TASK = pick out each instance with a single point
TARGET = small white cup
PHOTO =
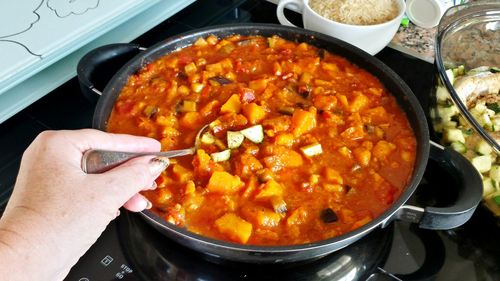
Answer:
(370, 38)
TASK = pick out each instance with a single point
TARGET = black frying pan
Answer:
(461, 171)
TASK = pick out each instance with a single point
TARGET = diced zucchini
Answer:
(234, 139)
(442, 94)
(468, 132)
(454, 135)
(492, 201)
(451, 75)
(450, 124)
(485, 121)
(483, 148)
(255, 133)
(312, 149)
(187, 106)
(447, 112)
(495, 173)
(207, 138)
(221, 156)
(489, 186)
(482, 163)
(496, 199)
(459, 147)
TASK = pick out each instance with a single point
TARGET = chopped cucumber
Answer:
(489, 186)
(312, 149)
(450, 124)
(221, 156)
(254, 133)
(482, 163)
(446, 113)
(451, 75)
(496, 199)
(459, 147)
(442, 94)
(468, 131)
(454, 135)
(495, 173)
(483, 148)
(234, 139)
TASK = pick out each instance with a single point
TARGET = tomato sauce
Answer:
(302, 144)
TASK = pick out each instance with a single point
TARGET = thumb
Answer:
(126, 180)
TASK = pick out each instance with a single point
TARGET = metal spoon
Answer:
(97, 161)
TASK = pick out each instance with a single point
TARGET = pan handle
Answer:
(469, 195)
(96, 68)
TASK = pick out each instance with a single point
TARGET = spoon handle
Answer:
(99, 161)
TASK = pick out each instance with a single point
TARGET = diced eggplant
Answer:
(328, 216)
(150, 111)
(264, 175)
(221, 80)
(182, 75)
(279, 205)
(287, 110)
(304, 91)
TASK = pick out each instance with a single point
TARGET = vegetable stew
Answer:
(302, 144)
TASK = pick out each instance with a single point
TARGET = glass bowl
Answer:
(465, 103)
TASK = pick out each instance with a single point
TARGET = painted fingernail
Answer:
(153, 186)
(149, 204)
(158, 164)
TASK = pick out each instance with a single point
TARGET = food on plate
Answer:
(357, 12)
(302, 145)
(479, 90)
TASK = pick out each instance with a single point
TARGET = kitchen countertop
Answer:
(415, 41)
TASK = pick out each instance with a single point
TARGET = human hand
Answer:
(58, 210)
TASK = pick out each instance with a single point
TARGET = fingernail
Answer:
(153, 186)
(117, 213)
(149, 205)
(158, 164)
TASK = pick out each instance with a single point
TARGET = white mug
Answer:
(370, 38)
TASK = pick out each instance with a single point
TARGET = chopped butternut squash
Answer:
(224, 182)
(270, 188)
(333, 176)
(382, 149)
(253, 112)
(302, 122)
(261, 216)
(181, 174)
(298, 216)
(233, 104)
(234, 227)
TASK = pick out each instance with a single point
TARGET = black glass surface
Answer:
(130, 250)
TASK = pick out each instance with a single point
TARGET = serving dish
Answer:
(465, 102)
(430, 217)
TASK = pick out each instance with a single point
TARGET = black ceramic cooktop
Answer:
(131, 250)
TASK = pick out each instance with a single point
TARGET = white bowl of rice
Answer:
(367, 24)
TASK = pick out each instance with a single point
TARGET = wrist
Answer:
(28, 248)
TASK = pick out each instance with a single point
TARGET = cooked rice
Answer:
(357, 12)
